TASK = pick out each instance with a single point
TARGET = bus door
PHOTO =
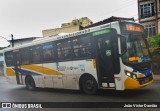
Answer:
(17, 66)
(105, 59)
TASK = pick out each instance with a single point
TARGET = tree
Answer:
(154, 42)
(2, 48)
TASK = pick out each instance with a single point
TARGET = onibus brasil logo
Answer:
(20, 105)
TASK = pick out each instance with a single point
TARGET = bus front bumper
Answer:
(141, 82)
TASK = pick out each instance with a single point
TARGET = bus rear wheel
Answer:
(89, 85)
(30, 84)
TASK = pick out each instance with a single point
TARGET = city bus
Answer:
(110, 56)
(1, 63)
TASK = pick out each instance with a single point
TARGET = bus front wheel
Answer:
(89, 85)
(30, 84)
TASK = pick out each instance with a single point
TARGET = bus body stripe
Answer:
(10, 72)
(32, 70)
(27, 72)
(147, 72)
(41, 69)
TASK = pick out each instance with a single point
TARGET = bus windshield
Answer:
(136, 50)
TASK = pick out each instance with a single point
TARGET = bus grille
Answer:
(145, 80)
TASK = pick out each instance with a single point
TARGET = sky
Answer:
(27, 18)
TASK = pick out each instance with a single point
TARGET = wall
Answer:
(52, 32)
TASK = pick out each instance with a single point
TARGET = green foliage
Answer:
(1, 48)
(154, 42)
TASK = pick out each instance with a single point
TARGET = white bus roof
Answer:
(69, 35)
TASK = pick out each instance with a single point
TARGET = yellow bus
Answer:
(109, 56)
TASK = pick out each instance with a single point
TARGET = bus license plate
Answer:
(146, 80)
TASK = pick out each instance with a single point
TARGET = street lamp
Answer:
(12, 40)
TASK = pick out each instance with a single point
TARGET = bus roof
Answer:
(109, 20)
(69, 35)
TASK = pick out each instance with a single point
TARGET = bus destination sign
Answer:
(104, 31)
(132, 27)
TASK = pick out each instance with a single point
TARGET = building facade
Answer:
(149, 16)
(56, 31)
(83, 22)
(70, 27)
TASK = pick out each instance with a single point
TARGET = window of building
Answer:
(48, 52)
(9, 59)
(82, 47)
(147, 10)
(64, 49)
(150, 30)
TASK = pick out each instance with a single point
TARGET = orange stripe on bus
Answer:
(10, 72)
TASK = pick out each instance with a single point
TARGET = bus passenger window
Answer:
(80, 53)
(36, 54)
(48, 53)
(9, 58)
(25, 56)
(64, 50)
(82, 47)
(59, 51)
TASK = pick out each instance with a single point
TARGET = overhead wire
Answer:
(124, 4)
(1, 37)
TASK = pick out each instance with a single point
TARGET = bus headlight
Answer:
(130, 74)
(134, 76)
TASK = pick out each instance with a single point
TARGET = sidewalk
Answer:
(156, 77)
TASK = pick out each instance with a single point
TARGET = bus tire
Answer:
(30, 84)
(89, 85)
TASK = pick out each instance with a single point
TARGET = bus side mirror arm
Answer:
(120, 55)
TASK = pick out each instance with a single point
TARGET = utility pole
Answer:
(12, 40)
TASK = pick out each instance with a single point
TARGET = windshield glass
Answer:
(136, 50)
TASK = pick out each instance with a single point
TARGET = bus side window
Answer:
(25, 56)
(64, 50)
(36, 54)
(48, 52)
(9, 58)
(82, 47)
(59, 51)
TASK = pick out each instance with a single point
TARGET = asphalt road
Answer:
(16, 93)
